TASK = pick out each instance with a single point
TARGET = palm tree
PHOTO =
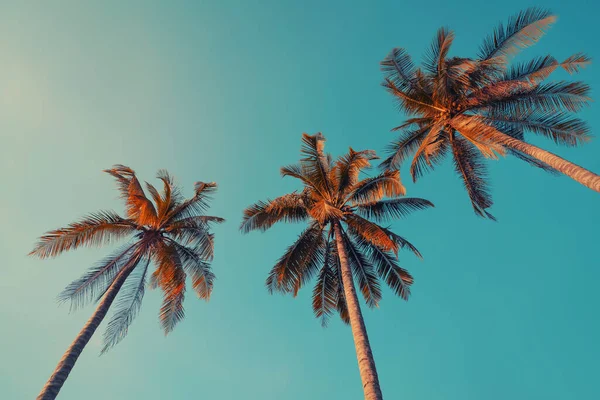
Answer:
(340, 242)
(172, 233)
(480, 108)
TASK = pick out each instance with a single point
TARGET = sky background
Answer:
(221, 91)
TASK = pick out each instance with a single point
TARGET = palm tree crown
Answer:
(171, 232)
(334, 194)
(475, 108)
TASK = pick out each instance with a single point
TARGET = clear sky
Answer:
(221, 91)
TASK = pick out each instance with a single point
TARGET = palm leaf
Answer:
(325, 292)
(522, 30)
(95, 229)
(127, 307)
(299, 263)
(385, 210)
(387, 184)
(370, 232)
(472, 170)
(363, 272)
(98, 278)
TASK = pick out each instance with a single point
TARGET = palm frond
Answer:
(287, 208)
(315, 162)
(170, 277)
(387, 184)
(473, 172)
(407, 144)
(398, 279)
(548, 97)
(435, 57)
(138, 207)
(560, 127)
(325, 292)
(363, 272)
(347, 168)
(98, 278)
(430, 152)
(95, 229)
(370, 232)
(413, 102)
(198, 269)
(127, 306)
(398, 68)
(299, 263)
(574, 63)
(402, 242)
(196, 205)
(384, 210)
(522, 30)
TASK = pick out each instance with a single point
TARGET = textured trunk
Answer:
(366, 363)
(574, 171)
(64, 367)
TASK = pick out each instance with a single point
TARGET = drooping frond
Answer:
(170, 277)
(127, 306)
(401, 242)
(325, 292)
(370, 232)
(430, 152)
(398, 279)
(363, 272)
(400, 150)
(287, 208)
(385, 210)
(373, 189)
(472, 170)
(98, 278)
(299, 263)
(95, 229)
(522, 30)
(197, 268)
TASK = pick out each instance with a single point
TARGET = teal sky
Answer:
(221, 91)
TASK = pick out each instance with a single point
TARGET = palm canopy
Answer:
(463, 106)
(169, 231)
(332, 194)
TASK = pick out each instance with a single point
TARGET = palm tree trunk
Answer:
(67, 362)
(366, 363)
(574, 171)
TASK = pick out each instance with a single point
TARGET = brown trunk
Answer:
(574, 171)
(68, 360)
(366, 363)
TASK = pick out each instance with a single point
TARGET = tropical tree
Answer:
(341, 244)
(172, 233)
(476, 108)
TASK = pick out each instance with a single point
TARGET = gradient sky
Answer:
(221, 91)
